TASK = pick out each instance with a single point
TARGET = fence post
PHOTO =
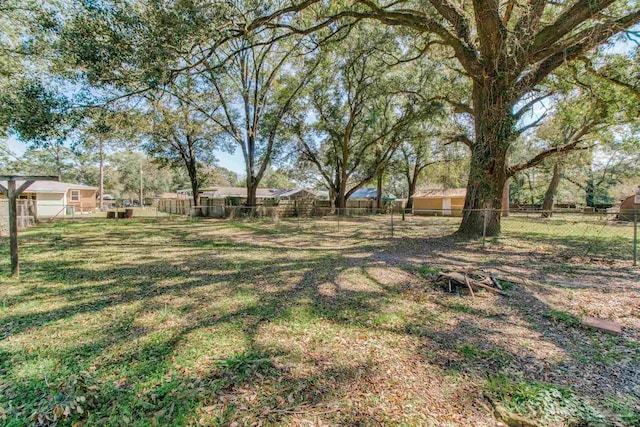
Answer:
(635, 237)
(392, 222)
(484, 227)
(13, 227)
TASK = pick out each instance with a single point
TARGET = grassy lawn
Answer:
(210, 322)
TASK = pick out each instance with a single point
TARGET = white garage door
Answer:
(49, 204)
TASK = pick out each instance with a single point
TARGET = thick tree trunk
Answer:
(494, 130)
(58, 164)
(101, 188)
(251, 193)
(550, 194)
(590, 192)
(341, 201)
(195, 185)
(332, 199)
(379, 192)
(505, 199)
(412, 191)
(341, 198)
(192, 170)
(484, 197)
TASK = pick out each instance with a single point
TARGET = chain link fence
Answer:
(605, 236)
(601, 236)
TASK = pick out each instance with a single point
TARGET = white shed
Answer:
(58, 199)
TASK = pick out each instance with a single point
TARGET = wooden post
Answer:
(141, 188)
(34, 207)
(12, 194)
(392, 222)
(484, 227)
(635, 237)
(13, 227)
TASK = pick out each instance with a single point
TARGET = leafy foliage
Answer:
(35, 113)
(358, 110)
(545, 402)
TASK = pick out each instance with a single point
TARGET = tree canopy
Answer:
(346, 88)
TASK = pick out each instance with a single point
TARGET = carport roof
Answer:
(439, 193)
(51, 186)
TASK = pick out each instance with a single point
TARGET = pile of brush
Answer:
(468, 283)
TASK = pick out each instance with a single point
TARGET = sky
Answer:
(233, 162)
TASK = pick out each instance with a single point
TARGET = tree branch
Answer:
(527, 107)
(531, 125)
(573, 138)
(456, 18)
(513, 169)
(490, 30)
(601, 74)
(460, 138)
(458, 107)
(589, 38)
(415, 19)
(580, 12)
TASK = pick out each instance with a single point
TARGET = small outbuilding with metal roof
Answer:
(446, 202)
(630, 208)
(371, 193)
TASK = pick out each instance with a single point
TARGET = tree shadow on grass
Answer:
(135, 354)
(229, 308)
(593, 368)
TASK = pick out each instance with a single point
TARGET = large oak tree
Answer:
(506, 50)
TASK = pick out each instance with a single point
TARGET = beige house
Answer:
(58, 199)
(447, 202)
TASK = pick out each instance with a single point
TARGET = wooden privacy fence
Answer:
(175, 206)
(233, 207)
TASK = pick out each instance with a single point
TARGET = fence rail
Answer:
(608, 236)
(220, 208)
(599, 235)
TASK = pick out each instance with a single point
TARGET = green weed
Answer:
(428, 272)
(560, 316)
(544, 401)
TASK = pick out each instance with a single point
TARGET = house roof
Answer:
(371, 193)
(51, 186)
(629, 202)
(289, 193)
(166, 195)
(440, 193)
(261, 193)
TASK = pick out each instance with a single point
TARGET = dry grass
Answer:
(309, 323)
